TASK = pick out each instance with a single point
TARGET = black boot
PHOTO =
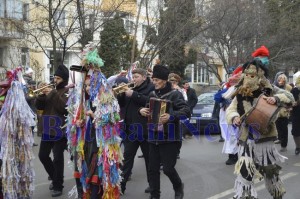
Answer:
(56, 193)
(123, 188)
(148, 190)
(232, 159)
(221, 139)
(151, 197)
(141, 156)
(179, 192)
(51, 186)
(297, 143)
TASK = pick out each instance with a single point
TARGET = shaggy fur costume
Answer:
(257, 153)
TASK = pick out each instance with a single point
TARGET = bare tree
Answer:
(92, 15)
(38, 70)
(238, 27)
(62, 25)
(230, 37)
(149, 22)
(158, 40)
(52, 26)
(284, 34)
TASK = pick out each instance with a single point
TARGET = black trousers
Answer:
(55, 167)
(167, 155)
(130, 149)
(282, 129)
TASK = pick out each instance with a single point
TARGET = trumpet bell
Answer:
(123, 88)
(31, 93)
(34, 93)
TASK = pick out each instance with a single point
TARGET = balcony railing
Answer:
(11, 29)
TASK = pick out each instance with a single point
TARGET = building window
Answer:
(91, 19)
(199, 8)
(24, 57)
(2, 8)
(59, 56)
(60, 18)
(1, 56)
(144, 31)
(25, 11)
(11, 9)
(129, 26)
(66, 59)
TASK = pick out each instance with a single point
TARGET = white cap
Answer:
(28, 70)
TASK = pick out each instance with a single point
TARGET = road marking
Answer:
(231, 191)
(297, 164)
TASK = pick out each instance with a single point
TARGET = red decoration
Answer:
(261, 52)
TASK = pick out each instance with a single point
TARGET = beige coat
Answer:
(284, 112)
(282, 97)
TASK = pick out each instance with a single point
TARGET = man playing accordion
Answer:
(163, 131)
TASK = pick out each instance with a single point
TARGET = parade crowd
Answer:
(92, 116)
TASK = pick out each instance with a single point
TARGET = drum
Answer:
(261, 115)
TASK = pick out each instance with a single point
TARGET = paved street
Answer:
(202, 168)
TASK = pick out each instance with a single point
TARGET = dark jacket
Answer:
(30, 99)
(133, 104)
(178, 109)
(192, 98)
(296, 112)
(54, 104)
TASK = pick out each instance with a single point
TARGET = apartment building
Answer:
(61, 36)
(13, 50)
(138, 15)
(95, 13)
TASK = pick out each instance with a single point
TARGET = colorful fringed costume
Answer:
(16, 141)
(95, 143)
(257, 153)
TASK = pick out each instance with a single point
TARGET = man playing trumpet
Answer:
(135, 124)
(53, 103)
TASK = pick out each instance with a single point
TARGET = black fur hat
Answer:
(160, 72)
(63, 72)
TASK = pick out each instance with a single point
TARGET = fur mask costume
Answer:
(253, 78)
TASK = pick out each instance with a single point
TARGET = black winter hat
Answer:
(63, 72)
(160, 72)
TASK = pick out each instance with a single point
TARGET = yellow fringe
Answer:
(250, 166)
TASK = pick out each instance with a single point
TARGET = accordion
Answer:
(157, 107)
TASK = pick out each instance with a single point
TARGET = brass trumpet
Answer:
(33, 93)
(121, 88)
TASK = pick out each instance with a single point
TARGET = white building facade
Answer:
(13, 50)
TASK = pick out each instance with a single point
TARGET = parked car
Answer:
(204, 116)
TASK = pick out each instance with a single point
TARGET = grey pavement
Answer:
(201, 167)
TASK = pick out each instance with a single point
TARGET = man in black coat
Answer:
(192, 101)
(165, 143)
(53, 103)
(135, 124)
(191, 95)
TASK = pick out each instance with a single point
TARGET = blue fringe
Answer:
(84, 173)
(95, 85)
(218, 96)
(100, 171)
(114, 174)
